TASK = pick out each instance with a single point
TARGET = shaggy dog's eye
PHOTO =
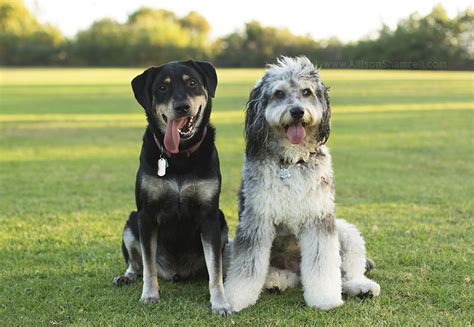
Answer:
(279, 94)
(192, 83)
(162, 88)
(306, 92)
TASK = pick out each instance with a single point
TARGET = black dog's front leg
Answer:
(148, 229)
(211, 244)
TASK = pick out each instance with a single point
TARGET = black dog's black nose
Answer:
(182, 107)
(297, 112)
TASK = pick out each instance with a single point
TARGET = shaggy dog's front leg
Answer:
(250, 259)
(321, 265)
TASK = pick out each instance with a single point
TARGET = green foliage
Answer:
(425, 41)
(148, 37)
(431, 42)
(104, 43)
(15, 18)
(24, 41)
(154, 36)
(261, 45)
(401, 145)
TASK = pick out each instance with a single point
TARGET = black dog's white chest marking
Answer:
(156, 187)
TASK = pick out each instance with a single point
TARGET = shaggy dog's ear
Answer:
(208, 74)
(256, 129)
(325, 125)
(142, 85)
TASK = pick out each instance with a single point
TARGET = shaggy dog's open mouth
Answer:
(296, 132)
(177, 129)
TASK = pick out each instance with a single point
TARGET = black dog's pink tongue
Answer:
(296, 133)
(172, 134)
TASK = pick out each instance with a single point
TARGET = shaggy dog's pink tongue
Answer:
(172, 134)
(296, 133)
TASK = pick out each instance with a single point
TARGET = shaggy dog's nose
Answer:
(297, 112)
(182, 107)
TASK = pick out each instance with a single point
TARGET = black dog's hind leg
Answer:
(131, 252)
(148, 231)
(212, 238)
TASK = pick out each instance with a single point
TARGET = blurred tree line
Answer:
(152, 36)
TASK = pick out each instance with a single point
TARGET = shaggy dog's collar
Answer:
(301, 161)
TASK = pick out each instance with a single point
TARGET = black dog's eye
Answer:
(279, 94)
(306, 93)
(162, 88)
(192, 83)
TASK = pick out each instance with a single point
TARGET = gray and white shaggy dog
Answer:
(288, 231)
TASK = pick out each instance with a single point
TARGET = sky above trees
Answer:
(347, 20)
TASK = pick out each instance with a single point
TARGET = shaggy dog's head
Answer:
(288, 110)
(177, 101)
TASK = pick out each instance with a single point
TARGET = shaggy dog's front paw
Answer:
(240, 300)
(328, 305)
(323, 302)
(361, 287)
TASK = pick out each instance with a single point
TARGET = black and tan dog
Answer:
(178, 229)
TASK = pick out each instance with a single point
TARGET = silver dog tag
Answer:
(162, 165)
(284, 173)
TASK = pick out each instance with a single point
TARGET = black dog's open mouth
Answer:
(187, 130)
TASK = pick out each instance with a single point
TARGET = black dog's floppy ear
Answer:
(208, 74)
(142, 84)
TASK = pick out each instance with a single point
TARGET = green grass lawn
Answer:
(402, 146)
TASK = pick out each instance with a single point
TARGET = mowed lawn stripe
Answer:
(222, 116)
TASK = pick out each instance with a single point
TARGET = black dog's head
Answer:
(177, 100)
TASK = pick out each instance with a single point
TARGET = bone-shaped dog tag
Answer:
(162, 165)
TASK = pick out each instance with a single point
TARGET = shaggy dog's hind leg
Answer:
(354, 262)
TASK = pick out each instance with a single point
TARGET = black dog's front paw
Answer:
(150, 299)
(121, 280)
(223, 310)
